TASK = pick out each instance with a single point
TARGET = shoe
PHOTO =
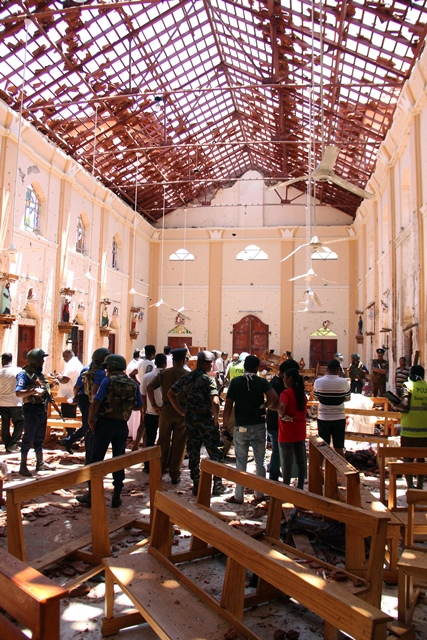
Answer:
(233, 500)
(116, 501)
(219, 489)
(84, 499)
(176, 480)
(67, 445)
(12, 449)
(195, 489)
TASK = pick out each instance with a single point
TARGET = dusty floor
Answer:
(54, 520)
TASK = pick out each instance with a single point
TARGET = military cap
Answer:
(380, 350)
(205, 356)
(355, 356)
(179, 353)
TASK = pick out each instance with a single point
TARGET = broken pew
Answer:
(326, 468)
(134, 573)
(94, 473)
(30, 598)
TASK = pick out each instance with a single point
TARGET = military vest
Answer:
(120, 398)
(88, 378)
(37, 380)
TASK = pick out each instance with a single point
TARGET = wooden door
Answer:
(26, 342)
(250, 334)
(77, 343)
(177, 342)
(321, 351)
(112, 342)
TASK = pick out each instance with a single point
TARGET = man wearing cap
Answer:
(33, 388)
(250, 395)
(10, 405)
(172, 431)
(379, 376)
(201, 413)
(358, 373)
(332, 391)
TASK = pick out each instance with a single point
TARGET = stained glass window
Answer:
(80, 235)
(32, 210)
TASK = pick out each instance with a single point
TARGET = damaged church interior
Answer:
(229, 177)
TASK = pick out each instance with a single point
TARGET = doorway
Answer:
(321, 351)
(112, 342)
(250, 334)
(26, 342)
(177, 342)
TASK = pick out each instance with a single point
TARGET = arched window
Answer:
(181, 254)
(80, 235)
(32, 210)
(252, 252)
(324, 253)
(115, 254)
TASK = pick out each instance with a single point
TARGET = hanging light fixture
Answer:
(11, 249)
(182, 307)
(160, 301)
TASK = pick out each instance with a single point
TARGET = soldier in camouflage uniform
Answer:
(201, 416)
(117, 396)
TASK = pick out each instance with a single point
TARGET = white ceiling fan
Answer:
(324, 172)
(309, 299)
(309, 275)
(314, 244)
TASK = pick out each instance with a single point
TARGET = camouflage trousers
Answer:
(201, 431)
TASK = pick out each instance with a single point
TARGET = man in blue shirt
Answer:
(87, 384)
(33, 388)
(117, 396)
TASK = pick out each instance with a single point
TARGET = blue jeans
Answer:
(245, 436)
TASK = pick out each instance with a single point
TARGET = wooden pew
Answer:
(387, 453)
(100, 532)
(412, 564)
(30, 598)
(336, 606)
(357, 522)
(325, 469)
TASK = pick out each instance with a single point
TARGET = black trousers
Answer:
(15, 415)
(35, 421)
(114, 432)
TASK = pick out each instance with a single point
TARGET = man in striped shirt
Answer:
(332, 391)
(401, 375)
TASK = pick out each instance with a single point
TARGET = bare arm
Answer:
(215, 408)
(228, 408)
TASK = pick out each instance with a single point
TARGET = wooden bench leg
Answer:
(401, 595)
(233, 592)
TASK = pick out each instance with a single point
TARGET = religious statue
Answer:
(360, 326)
(104, 318)
(6, 300)
(66, 311)
(133, 323)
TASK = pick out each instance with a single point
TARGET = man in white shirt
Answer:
(169, 359)
(332, 391)
(146, 365)
(151, 417)
(132, 368)
(71, 372)
(10, 405)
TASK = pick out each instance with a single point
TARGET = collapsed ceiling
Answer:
(166, 102)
